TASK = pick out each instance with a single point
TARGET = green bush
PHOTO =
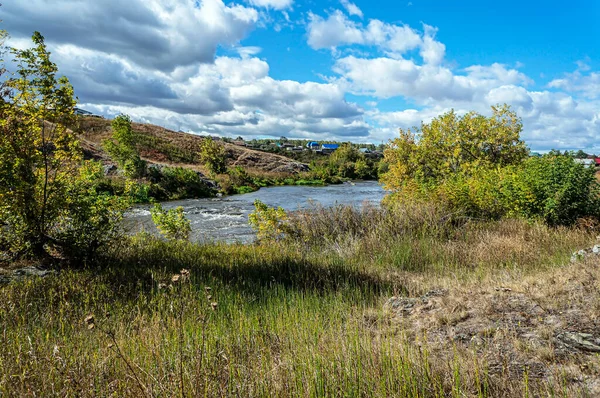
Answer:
(172, 223)
(268, 222)
(553, 188)
(177, 183)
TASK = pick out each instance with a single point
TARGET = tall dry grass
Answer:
(300, 317)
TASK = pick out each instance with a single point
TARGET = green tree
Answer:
(38, 153)
(452, 144)
(42, 190)
(580, 155)
(212, 155)
(122, 148)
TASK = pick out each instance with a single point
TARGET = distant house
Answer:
(597, 161)
(329, 148)
(364, 150)
(314, 145)
(239, 142)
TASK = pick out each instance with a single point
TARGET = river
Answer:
(226, 218)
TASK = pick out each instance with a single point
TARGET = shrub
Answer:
(268, 222)
(553, 188)
(122, 148)
(212, 155)
(172, 223)
(177, 183)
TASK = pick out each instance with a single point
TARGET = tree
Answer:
(213, 156)
(38, 153)
(43, 191)
(451, 144)
(122, 149)
(580, 155)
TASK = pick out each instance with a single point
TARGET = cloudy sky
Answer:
(349, 70)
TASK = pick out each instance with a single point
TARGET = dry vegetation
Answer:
(423, 303)
(163, 146)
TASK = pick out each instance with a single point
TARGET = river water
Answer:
(226, 219)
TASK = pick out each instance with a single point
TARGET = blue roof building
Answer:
(330, 147)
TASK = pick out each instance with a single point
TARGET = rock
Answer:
(580, 341)
(109, 169)
(24, 272)
(400, 305)
(596, 249)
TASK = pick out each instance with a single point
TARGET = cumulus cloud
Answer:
(274, 4)
(352, 8)
(162, 34)
(337, 30)
(157, 60)
(582, 81)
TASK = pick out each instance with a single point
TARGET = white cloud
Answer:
(162, 34)
(337, 30)
(582, 81)
(274, 4)
(352, 8)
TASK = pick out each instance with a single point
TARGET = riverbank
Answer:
(414, 305)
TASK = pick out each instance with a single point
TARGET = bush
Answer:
(212, 155)
(476, 166)
(91, 218)
(268, 222)
(552, 188)
(122, 148)
(172, 223)
(177, 183)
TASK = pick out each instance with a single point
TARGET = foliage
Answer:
(268, 222)
(50, 200)
(212, 155)
(39, 155)
(91, 218)
(553, 188)
(451, 144)
(122, 148)
(171, 223)
(477, 166)
(172, 183)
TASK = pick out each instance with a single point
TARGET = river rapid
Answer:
(226, 219)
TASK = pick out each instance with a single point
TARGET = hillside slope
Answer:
(163, 146)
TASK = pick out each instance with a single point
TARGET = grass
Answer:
(301, 317)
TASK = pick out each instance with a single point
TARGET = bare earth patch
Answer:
(545, 326)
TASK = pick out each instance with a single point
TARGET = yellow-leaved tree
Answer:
(450, 145)
(48, 196)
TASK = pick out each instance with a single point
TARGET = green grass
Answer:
(292, 318)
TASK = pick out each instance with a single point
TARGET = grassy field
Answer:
(356, 303)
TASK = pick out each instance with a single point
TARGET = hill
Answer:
(163, 146)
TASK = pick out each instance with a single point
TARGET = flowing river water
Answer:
(226, 218)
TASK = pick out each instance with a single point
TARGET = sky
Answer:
(326, 69)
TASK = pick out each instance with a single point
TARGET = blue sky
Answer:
(347, 70)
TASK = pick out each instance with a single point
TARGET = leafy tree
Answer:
(122, 148)
(45, 200)
(452, 144)
(580, 155)
(212, 155)
(171, 223)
